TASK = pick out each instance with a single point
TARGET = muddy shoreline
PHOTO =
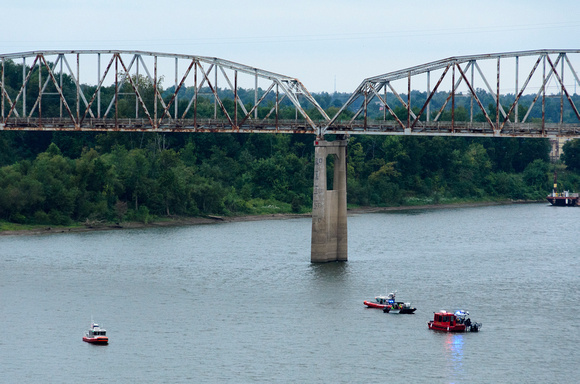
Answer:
(186, 221)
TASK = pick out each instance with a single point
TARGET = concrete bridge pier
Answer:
(329, 231)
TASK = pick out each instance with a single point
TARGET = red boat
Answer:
(381, 302)
(96, 335)
(453, 322)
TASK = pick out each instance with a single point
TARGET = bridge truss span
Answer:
(523, 94)
(469, 89)
(53, 91)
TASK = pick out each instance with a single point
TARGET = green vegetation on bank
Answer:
(115, 177)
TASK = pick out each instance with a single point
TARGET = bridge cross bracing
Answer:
(546, 69)
(121, 78)
(131, 73)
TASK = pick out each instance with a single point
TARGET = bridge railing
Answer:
(448, 128)
(166, 125)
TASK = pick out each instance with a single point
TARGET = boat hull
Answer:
(372, 304)
(561, 201)
(474, 327)
(402, 311)
(446, 328)
(96, 340)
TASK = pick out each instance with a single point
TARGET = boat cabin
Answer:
(384, 300)
(99, 332)
(453, 322)
(96, 331)
(445, 318)
(446, 321)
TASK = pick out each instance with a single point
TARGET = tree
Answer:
(536, 175)
(120, 210)
(571, 154)
(386, 189)
(20, 195)
(56, 173)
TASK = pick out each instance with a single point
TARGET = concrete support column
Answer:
(329, 231)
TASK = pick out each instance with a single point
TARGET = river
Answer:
(241, 302)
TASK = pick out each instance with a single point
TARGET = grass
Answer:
(266, 207)
(421, 201)
(261, 207)
(7, 226)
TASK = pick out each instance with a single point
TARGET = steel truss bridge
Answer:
(93, 89)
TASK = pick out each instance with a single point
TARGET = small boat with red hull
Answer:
(389, 304)
(453, 322)
(381, 302)
(96, 335)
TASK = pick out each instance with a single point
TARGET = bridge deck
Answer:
(440, 128)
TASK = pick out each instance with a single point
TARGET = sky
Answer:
(328, 45)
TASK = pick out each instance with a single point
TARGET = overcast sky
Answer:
(328, 45)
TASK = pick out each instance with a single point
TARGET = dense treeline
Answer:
(60, 178)
(127, 176)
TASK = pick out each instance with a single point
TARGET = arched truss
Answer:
(87, 110)
(518, 73)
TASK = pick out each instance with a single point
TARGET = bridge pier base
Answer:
(329, 230)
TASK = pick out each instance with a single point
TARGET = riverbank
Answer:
(186, 221)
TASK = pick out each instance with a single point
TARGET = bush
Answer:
(18, 218)
(41, 217)
(296, 204)
(58, 218)
(142, 215)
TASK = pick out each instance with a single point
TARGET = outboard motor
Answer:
(475, 327)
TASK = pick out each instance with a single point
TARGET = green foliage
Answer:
(262, 174)
(537, 174)
(142, 215)
(571, 154)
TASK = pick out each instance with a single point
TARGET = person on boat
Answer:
(468, 322)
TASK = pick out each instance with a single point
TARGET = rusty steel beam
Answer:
(386, 105)
(459, 128)
(142, 125)
(564, 91)
(431, 94)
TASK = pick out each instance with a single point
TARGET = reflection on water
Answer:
(330, 271)
(454, 354)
